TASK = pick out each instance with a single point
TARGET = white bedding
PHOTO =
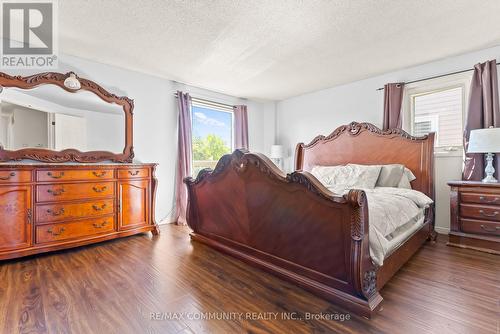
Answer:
(394, 213)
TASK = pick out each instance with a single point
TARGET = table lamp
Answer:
(485, 141)
(277, 155)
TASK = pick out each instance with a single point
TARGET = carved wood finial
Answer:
(357, 199)
(369, 283)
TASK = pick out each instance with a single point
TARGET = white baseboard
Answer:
(442, 230)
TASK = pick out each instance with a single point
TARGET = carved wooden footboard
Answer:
(292, 226)
(289, 225)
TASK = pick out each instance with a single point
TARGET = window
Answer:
(212, 131)
(441, 112)
(425, 124)
(438, 106)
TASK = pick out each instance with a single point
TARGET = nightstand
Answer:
(475, 215)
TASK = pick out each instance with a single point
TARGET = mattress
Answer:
(394, 214)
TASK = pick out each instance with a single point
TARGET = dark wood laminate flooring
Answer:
(119, 286)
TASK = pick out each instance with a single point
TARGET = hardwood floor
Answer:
(441, 290)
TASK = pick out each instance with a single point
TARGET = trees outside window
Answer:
(212, 136)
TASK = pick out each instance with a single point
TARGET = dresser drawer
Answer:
(14, 176)
(72, 191)
(488, 199)
(487, 212)
(133, 173)
(73, 175)
(480, 226)
(58, 212)
(77, 229)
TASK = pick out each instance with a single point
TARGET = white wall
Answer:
(29, 128)
(104, 125)
(155, 118)
(301, 118)
(105, 132)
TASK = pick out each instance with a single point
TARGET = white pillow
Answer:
(390, 175)
(407, 177)
(347, 177)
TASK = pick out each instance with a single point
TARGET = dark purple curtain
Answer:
(393, 98)
(483, 112)
(240, 127)
(183, 156)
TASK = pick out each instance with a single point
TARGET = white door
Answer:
(70, 132)
(4, 131)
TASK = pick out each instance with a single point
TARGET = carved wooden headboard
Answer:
(364, 143)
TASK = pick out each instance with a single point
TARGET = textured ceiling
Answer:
(49, 95)
(274, 49)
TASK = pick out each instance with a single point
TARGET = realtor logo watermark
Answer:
(29, 30)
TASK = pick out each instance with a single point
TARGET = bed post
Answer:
(363, 271)
(299, 149)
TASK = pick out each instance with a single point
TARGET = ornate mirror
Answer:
(56, 117)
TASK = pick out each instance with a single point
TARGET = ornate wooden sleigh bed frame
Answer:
(292, 226)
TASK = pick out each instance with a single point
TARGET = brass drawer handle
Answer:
(56, 213)
(55, 234)
(8, 177)
(99, 190)
(494, 214)
(55, 176)
(491, 230)
(97, 174)
(96, 225)
(99, 208)
(57, 192)
(134, 173)
(484, 200)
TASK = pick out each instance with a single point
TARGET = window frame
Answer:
(216, 106)
(461, 80)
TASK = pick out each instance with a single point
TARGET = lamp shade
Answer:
(484, 141)
(277, 152)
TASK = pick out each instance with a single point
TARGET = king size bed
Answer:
(342, 243)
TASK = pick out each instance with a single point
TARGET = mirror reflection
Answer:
(51, 118)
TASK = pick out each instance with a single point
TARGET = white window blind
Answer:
(440, 112)
(425, 124)
(422, 128)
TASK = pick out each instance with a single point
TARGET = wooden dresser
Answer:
(45, 207)
(475, 215)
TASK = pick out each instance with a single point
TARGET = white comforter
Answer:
(393, 213)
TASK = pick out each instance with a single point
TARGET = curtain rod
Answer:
(208, 102)
(436, 76)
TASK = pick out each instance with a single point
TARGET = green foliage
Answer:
(207, 151)
(211, 147)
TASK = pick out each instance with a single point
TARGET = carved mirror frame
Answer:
(70, 155)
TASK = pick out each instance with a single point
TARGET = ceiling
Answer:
(273, 49)
(52, 98)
